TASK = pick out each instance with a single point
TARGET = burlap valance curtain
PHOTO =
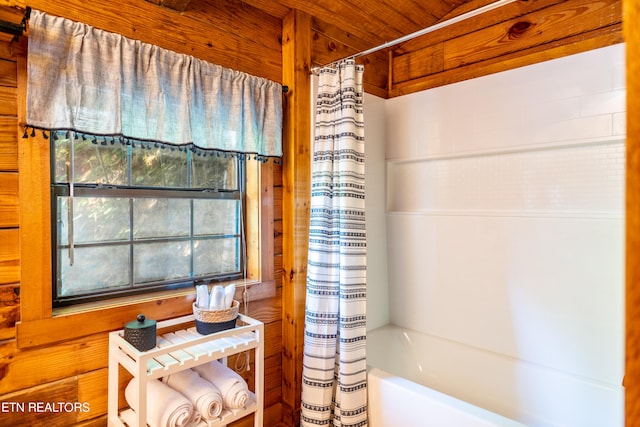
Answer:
(85, 80)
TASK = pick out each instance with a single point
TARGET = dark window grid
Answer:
(97, 190)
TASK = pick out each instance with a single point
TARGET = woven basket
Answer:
(211, 321)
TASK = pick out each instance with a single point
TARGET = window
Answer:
(145, 217)
(44, 321)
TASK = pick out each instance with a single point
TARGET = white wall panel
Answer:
(580, 180)
(377, 278)
(505, 199)
(570, 98)
(526, 287)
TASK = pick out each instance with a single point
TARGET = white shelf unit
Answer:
(170, 357)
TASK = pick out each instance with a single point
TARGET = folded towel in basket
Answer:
(235, 392)
(205, 396)
(165, 406)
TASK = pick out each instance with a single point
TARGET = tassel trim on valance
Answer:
(55, 134)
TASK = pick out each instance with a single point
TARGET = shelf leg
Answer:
(112, 405)
(259, 377)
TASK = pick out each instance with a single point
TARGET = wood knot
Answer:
(332, 47)
(4, 368)
(518, 29)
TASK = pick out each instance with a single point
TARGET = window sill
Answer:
(92, 318)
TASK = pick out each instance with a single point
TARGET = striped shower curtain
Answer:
(334, 377)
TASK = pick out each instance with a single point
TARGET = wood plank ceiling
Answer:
(367, 22)
(517, 34)
(346, 27)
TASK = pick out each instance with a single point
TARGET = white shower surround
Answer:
(402, 387)
(505, 229)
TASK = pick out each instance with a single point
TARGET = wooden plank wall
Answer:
(519, 34)
(76, 370)
(295, 201)
(9, 249)
(329, 43)
(632, 369)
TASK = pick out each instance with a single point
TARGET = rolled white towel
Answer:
(165, 406)
(229, 292)
(205, 396)
(235, 392)
(202, 296)
(216, 299)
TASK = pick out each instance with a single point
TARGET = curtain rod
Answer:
(424, 31)
(16, 29)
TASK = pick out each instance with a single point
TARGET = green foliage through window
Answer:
(131, 217)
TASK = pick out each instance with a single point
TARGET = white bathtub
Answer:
(397, 399)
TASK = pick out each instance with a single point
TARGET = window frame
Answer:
(41, 324)
(63, 189)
